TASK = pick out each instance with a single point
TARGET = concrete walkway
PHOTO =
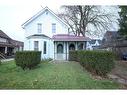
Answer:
(5, 60)
(58, 61)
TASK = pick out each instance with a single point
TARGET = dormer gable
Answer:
(44, 10)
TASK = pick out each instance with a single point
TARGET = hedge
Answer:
(73, 55)
(27, 59)
(97, 62)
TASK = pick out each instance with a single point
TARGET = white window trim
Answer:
(53, 28)
(39, 27)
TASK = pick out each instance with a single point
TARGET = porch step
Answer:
(58, 61)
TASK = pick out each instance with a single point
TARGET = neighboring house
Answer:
(94, 44)
(47, 33)
(8, 46)
(110, 40)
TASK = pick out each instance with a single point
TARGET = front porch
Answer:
(6, 52)
(62, 48)
(63, 43)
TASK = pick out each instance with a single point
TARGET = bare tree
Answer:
(87, 19)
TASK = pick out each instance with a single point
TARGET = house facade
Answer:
(8, 46)
(113, 41)
(94, 44)
(48, 33)
(110, 40)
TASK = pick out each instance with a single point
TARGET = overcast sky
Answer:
(13, 13)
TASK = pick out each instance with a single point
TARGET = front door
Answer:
(60, 54)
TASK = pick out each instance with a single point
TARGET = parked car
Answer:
(124, 56)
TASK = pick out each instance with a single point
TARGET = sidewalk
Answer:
(5, 60)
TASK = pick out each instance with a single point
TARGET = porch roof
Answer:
(67, 37)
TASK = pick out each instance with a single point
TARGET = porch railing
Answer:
(2, 56)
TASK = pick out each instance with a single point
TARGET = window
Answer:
(45, 46)
(46, 12)
(39, 27)
(53, 27)
(36, 45)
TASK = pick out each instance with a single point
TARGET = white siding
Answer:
(49, 48)
(46, 21)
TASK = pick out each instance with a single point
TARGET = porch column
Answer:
(54, 49)
(5, 50)
(67, 43)
(84, 46)
(76, 45)
(64, 47)
(64, 50)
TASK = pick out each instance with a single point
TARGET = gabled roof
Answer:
(10, 41)
(3, 35)
(39, 13)
(111, 34)
(67, 37)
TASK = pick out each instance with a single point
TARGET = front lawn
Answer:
(50, 76)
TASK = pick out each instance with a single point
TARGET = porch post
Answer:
(67, 43)
(5, 50)
(54, 49)
(84, 46)
(64, 50)
(76, 46)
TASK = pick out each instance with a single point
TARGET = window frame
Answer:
(39, 27)
(53, 27)
(45, 47)
(36, 46)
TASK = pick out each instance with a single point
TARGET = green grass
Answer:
(50, 76)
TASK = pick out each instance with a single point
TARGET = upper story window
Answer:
(39, 27)
(53, 27)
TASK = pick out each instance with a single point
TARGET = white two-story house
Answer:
(48, 33)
